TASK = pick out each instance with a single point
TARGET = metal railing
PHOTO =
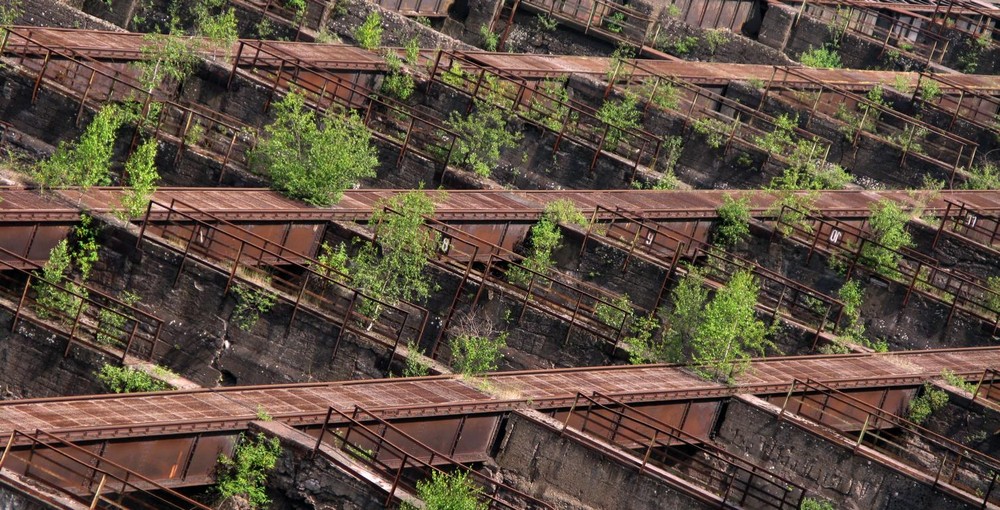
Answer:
(83, 315)
(852, 247)
(86, 477)
(365, 436)
(736, 482)
(969, 222)
(306, 284)
(936, 458)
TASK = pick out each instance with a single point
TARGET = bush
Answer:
(415, 364)
(454, 491)
(482, 135)
(476, 354)
(490, 40)
(86, 162)
(397, 83)
(816, 504)
(369, 34)
(250, 304)
(111, 321)
(729, 332)
(310, 161)
(888, 228)
(852, 296)
(985, 176)
(50, 300)
(141, 177)
(930, 401)
(128, 380)
(621, 115)
(824, 57)
(734, 221)
(246, 472)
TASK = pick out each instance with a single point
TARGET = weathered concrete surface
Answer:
(825, 467)
(534, 458)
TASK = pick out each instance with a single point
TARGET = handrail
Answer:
(954, 464)
(91, 305)
(384, 453)
(630, 428)
(83, 469)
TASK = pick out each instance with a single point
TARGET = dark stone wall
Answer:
(971, 423)
(534, 458)
(825, 467)
(32, 363)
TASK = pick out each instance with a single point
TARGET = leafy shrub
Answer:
(616, 22)
(929, 402)
(888, 228)
(128, 380)
(250, 304)
(311, 160)
(246, 472)
(369, 34)
(51, 300)
(715, 131)
(141, 177)
(334, 261)
(482, 135)
(546, 23)
(985, 176)
(86, 162)
(490, 40)
(729, 332)
(824, 57)
(415, 365)
(476, 354)
(621, 115)
(397, 83)
(615, 313)
(112, 320)
(734, 220)
(454, 491)
(816, 504)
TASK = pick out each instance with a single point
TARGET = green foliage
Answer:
(968, 59)
(660, 92)
(87, 162)
(262, 414)
(929, 402)
(454, 491)
(311, 160)
(128, 380)
(482, 135)
(888, 228)
(985, 177)
(958, 381)
(673, 11)
(824, 57)
(476, 354)
(689, 298)
(141, 177)
(729, 332)
(397, 83)
(816, 504)
(214, 21)
(616, 22)
(85, 246)
(250, 304)
(565, 211)
(490, 40)
(415, 364)
(615, 313)
(455, 76)
(673, 146)
(618, 62)
(680, 46)
(807, 170)
(166, 57)
(9, 12)
(369, 34)
(782, 139)
(795, 210)
(852, 296)
(992, 298)
(51, 300)
(412, 49)
(734, 221)
(246, 472)
(391, 269)
(715, 40)
(715, 131)
(929, 90)
(111, 321)
(334, 261)
(621, 115)
(641, 342)
(552, 109)
(546, 23)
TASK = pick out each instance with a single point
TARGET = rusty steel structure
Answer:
(935, 459)
(970, 222)
(404, 460)
(81, 475)
(734, 481)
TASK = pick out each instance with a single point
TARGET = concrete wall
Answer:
(534, 458)
(826, 468)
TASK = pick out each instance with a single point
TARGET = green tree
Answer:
(311, 160)
(985, 176)
(476, 354)
(621, 115)
(730, 332)
(369, 34)
(251, 302)
(482, 135)
(141, 177)
(166, 56)
(50, 299)
(445, 491)
(734, 220)
(245, 473)
(888, 228)
(392, 268)
(689, 297)
(87, 162)
(852, 295)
